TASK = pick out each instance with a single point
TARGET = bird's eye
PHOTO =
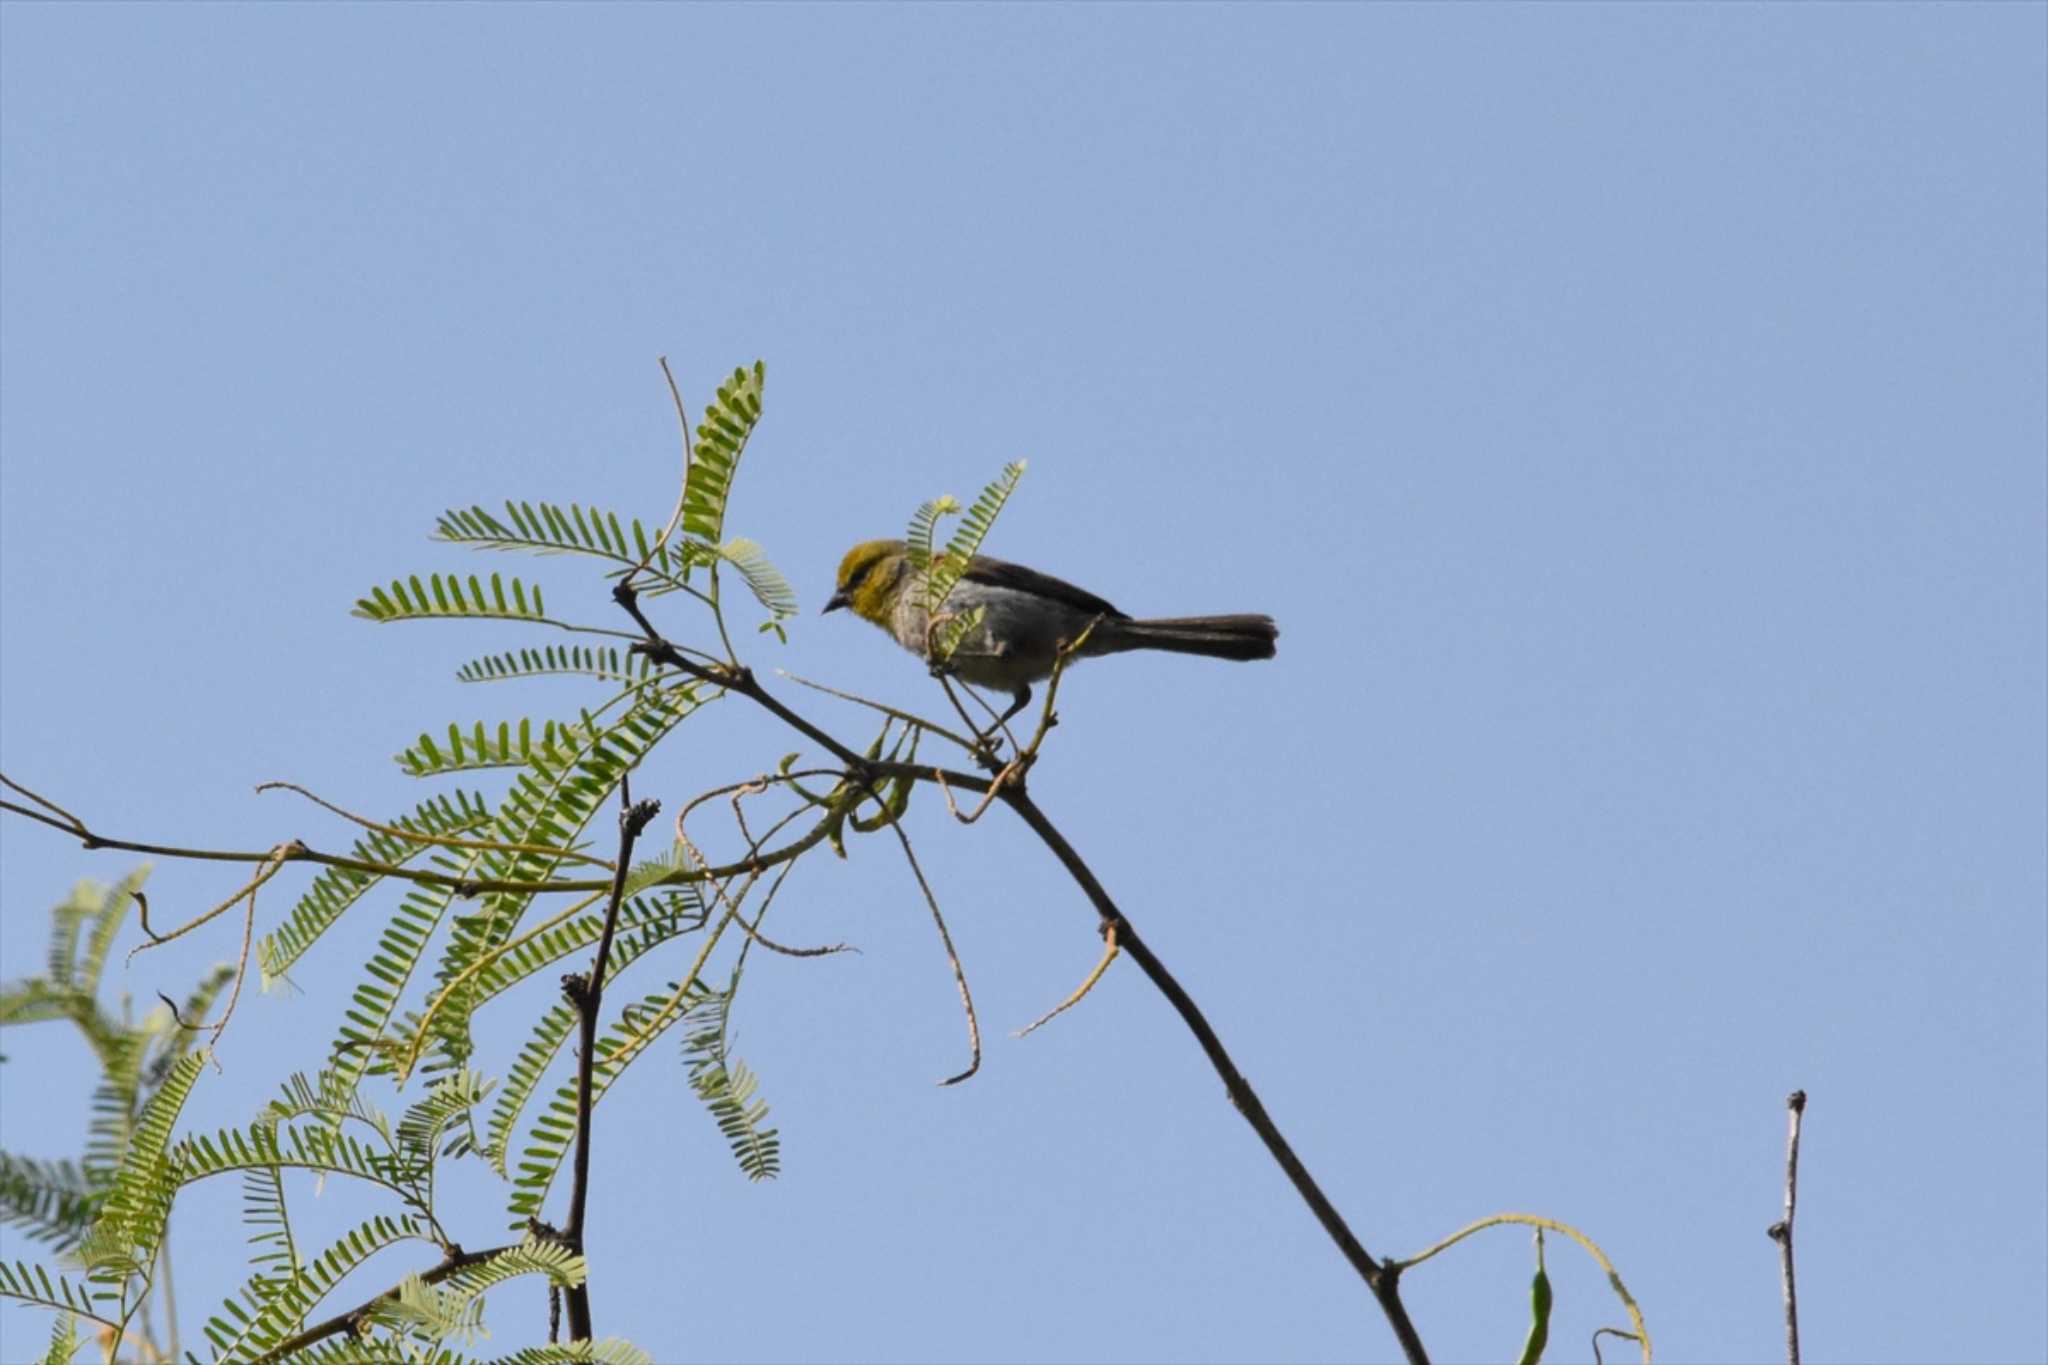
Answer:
(859, 576)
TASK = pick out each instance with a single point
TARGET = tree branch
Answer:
(1781, 1232)
(456, 1259)
(586, 993)
(293, 851)
(1381, 1278)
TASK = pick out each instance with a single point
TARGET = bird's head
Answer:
(869, 579)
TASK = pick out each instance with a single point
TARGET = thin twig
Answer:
(952, 956)
(907, 717)
(77, 825)
(455, 1259)
(437, 840)
(298, 852)
(272, 864)
(1080, 992)
(1781, 1232)
(1599, 1332)
(586, 993)
(682, 485)
(1064, 655)
(1007, 773)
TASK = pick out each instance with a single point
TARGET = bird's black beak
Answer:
(838, 600)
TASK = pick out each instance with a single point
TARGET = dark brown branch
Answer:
(1781, 1232)
(1382, 1279)
(296, 852)
(456, 1259)
(586, 993)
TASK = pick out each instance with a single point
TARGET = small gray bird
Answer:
(1025, 616)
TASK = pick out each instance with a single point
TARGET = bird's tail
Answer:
(1218, 637)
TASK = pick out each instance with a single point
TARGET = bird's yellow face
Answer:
(868, 579)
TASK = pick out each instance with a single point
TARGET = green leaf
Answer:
(452, 1097)
(643, 922)
(549, 803)
(523, 1078)
(267, 1143)
(548, 529)
(1539, 1310)
(727, 1087)
(36, 1000)
(377, 1350)
(64, 1340)
(974, 527)
(446, 595)
(114, 1101)
(924, 527)
(554, 528)
(715, 455)
(337, 888)
(106, 923)
(454, 1306)
(612, 665)
(124, 1238)
(554, 1131)
(770, 588)
(50, 1201)
(30, 1283)
(607, 1351)
(274, 1255)
(954, 627)
(505, 747)
(267, 1313)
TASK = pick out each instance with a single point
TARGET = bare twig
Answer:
(298, 852)
(1080, 992)
(1781, 1232)
(415, 836)
(906, 717)
(952, 956)
(76, 825)
(273, 862)
(586, 993)
(1007, 773)
(1599, 1332)
(682, 485)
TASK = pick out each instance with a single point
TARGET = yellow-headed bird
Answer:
(1026, 615)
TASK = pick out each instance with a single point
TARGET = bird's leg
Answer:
(1020, 699)
(990, 740)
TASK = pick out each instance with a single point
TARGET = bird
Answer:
(1027, 616)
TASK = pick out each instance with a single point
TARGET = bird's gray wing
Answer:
(1000, 573)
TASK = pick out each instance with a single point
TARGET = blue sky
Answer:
(1634, 416)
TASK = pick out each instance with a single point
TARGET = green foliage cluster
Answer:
(465, 933)
(941, 569)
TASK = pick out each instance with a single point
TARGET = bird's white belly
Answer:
(1013, 645)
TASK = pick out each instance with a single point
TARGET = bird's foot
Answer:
(988, 747)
